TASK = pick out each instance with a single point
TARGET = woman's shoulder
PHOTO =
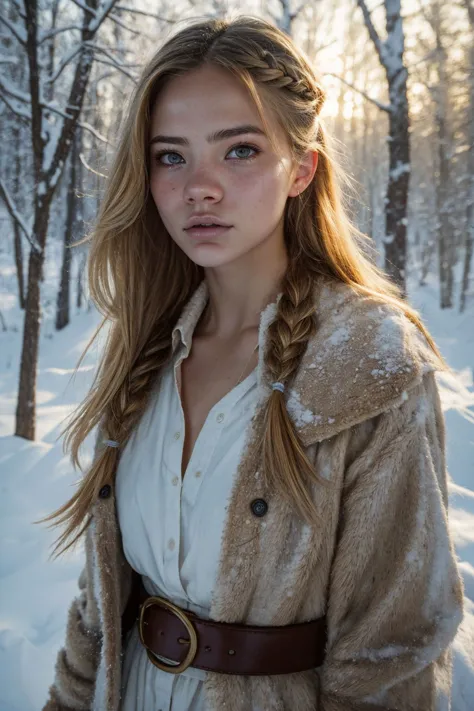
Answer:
(351, 322)
(364, 357)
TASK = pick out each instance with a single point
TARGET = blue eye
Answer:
(245, 147)
(166, 153)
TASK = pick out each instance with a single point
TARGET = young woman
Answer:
(266, 512)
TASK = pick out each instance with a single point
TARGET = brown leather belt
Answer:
(183, 637)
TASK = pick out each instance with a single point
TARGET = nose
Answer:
(202, 186)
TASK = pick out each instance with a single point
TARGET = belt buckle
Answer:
(181, 615)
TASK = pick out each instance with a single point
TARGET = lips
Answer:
(205, 224)
(204, 221)
(207, 233)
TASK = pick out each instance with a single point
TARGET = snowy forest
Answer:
(399, 78)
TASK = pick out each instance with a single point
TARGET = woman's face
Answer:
(235, 178)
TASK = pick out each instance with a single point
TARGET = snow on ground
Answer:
(454, 335)
(36, 478)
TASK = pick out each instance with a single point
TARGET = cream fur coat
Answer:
(381, 565)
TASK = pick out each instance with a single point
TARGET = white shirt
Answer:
(172, 527)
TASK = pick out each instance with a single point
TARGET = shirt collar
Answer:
(183, 331)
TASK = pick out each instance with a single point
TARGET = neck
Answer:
(239, 291)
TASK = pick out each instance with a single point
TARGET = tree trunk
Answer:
(26, 406)
(17, 73)
(467, 257)
(16, 228)
(63, 310)
(398, 181)
(469, 231)
(391, 56)
(444, 226)
(50, 151)
(80, 274)
(19, 265)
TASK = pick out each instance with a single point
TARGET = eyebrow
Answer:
(213, 137)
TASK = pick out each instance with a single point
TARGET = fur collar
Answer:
(362, 360)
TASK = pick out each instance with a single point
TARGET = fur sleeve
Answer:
(395, 597)
(77, 661)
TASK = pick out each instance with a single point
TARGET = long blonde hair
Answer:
(140, 280)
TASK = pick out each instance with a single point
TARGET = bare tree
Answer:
(445, 232)
(390, 53)
(63, 300)
(51, 128)
(438, 81)
(79, 283)
(13, 127)
(469, 231)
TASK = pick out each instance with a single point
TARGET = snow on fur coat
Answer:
(381, 566)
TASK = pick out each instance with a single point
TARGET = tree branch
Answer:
(12, 91)
(52, 33)
(88, 167)
(88, 10)
(16, 217)
(134, 11)
(19, 8)
(121, 24)
(31, 23)
(113, 62)
(96, 18)
(430, 54)
(108, 53)
(378, 104)
(99, 19)
(17, 31)
(82, 124)
(118, 67)
(4, 59)
(73, 53)
(16, 110)
(373, 34)
(324, 46)
(79, 83)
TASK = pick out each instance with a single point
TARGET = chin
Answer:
(210, 262)
(207, 256)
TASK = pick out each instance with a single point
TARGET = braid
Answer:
(286, 466)
(295, 324)
(269, 69)
(130, 401)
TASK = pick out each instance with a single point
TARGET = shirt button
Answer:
(220, 417)
(171, 544)
(104, 493)
(259, 507)
(198, 474)
(177, 435)
(174, 481)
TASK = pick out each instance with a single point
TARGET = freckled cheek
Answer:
(164, 193)
(256, 194)
(255, 186)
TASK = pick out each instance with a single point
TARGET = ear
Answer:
(304, 173)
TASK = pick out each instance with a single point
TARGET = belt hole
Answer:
(231, 651)
(207, 649)
(181, 640)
